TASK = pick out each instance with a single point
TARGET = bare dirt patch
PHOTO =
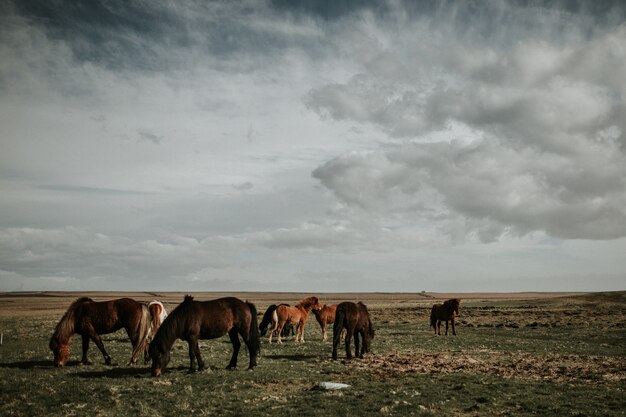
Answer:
(558, 368)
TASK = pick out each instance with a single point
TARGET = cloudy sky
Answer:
(312, 146)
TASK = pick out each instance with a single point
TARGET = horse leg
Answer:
(279, 330)
(84, 360)
(98, 341)
(446, 327)
(134, 340)
(302, 324)
(324, 337)
(357, 345)
(438, 328)
(336, 342)
(453, 330)
(348, 340)
(234, 339)
(247, 340)
(193, 345)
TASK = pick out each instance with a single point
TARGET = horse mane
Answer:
(451, 303)
(169, 330)
(307, 302)
(65, 327)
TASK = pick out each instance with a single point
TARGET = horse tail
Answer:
(433, 317)
(267, 318)
(254, 339)
(143, 331)
(340, 316)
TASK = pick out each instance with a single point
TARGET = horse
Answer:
(356, 320)
(325, 315)
(91, 319)
(270, 318)
(446, 311)
(158, 314)
(193, 320)
(295, 315)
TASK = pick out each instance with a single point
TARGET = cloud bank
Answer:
(312, 145)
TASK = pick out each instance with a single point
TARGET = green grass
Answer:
(389, 382)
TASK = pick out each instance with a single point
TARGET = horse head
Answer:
(160, 359)
(61, 352)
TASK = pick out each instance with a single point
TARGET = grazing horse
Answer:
(296, 316)
(446, 311)
(271, 318)
(158, 314)
(325, 315)
(90, 319)
(356, 320)
(193, 320)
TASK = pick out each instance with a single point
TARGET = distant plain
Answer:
(515, 354)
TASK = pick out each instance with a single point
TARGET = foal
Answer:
(324, 316)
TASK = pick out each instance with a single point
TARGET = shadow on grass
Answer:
(115, 373)
(28, 364)
(294, 357)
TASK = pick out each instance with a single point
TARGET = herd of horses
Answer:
(153, 332)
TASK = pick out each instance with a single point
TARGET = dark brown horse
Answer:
(194, 320)
(446, 311)
(90, 319)
(356, 320)
(325, 315)
(296, 316)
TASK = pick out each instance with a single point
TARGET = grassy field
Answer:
(516, 355)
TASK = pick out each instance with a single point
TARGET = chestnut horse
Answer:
(446, 311)
(270, 318)
(193, 320)
(356, 320)
(325, 315)
(295, 315)
(90, 319)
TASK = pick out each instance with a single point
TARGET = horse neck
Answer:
(168, 332)
(451, 309)
(306, 309)
(65, 328)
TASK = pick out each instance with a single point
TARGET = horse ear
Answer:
(188, 298)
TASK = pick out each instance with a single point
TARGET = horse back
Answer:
(328, 313)
(108, 316)
(287, 313)
(215, 318)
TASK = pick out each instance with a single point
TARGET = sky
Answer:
(312, 146)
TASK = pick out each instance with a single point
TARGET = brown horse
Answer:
(90, 319)
(193, 320)
(295, 315)
(446, 311)
(270, 318)
(325, 315)
(356, 320)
